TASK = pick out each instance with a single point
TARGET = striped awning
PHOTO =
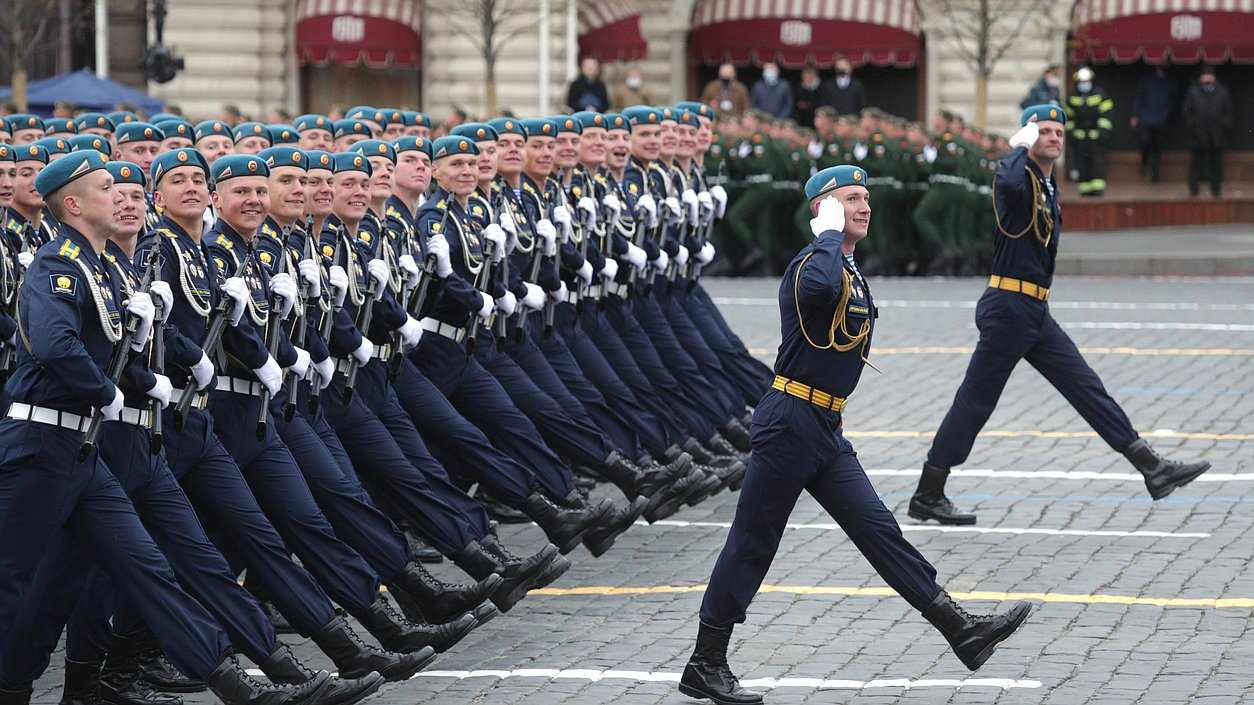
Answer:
(377, 33)
(1163, 31)
(796, 32)
(610, 30)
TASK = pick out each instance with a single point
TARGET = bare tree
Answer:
(983, 31)
(489, 25)
(24, 26)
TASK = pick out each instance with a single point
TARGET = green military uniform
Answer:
(936, 217)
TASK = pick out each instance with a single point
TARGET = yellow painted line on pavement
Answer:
(1183, 435)
(1204, 602)
(1135, 352)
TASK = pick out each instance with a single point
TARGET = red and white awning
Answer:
(797, 32)
(1163, 31)
(377, 33)
(610, 30)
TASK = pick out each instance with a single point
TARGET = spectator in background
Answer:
(231, 115)
(1045, 90)
(725, 94)
(587, 92)
(848, 97)
(771, 94)
(812, 94)
(278, 115)
(1150, 112)
(632, 90)
(1207, 115)
(8, 108)
(63, 109)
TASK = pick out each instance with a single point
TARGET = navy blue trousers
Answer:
(750, 375)
(694, 344)
(44, 490)
(799, 447)
(70, 589)
(1014, 327)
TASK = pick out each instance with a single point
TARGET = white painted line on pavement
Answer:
(1058, 475)
(955, 529)
(1057, 305)
(1160, 325)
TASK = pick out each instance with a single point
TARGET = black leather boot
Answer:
(398, 634)
(737, 434)
(599, 539)
(667, 486)
(973, 637)
(500, 511)
(81, 678)
(233, 686)
(564, 527)
(721, 446)
(707, 675)
(708, 485)
(419, 549)
(156, 670)
(622, 473)
(282, 667)
(1162, 476)
(731, 475)
(929, 500)
(121, 681)
(354, 658)
(15, 697)
(427, 599)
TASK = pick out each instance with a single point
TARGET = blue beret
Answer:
(687, 117)
(318, 159)
(313, 121)
(390, 116)
(212, 128)
(157, 118)
(23, 121)
(614, 121)
(508, 126)
(175, 158)
(86, 121)
(642, 115)
(351, 161)
(6, 152)
(177, 127)
(126, 173)
(566, 123)
(55, 125)
(360, 112)
(250, 129)
(669, 114)
(588, 118)
(411, 118)
(96, 142)
(832, 178)
(282, 134)
(1045, 111)
(375, 148)
(413, 144)
(540, 127)
(129, 132)
(67, 169)
(701, 109)
(55, 145)
(350, 127)
(30, 153)
(477, 131)
(230, 166)
(284, 156)
(117, 117)
(452, 145)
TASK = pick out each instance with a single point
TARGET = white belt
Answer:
(51, 417)
(947, 179)
(382, 352)
(446, 330)
(570, 297)
(235, 385)
(136, 417)
(342, 365)
(199, 401)
(622, 291)
(758, 179)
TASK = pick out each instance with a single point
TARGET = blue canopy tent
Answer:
(86, 91)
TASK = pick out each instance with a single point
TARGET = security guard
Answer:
(827, 317)
(1089, 127)
(1015, 323)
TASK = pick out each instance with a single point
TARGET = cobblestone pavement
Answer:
(1139, 602)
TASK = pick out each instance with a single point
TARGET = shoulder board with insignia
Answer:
(224, 241)
(267, 230)
(391, 212)
(168, 233)
(68, 249)
(442, 205)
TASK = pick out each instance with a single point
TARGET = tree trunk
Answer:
(981, 99)
(489, 87)
(19, 88)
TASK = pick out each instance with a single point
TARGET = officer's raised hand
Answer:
(438, 246)
(831, 216)
(140, 306)
(1026, 136)
(237, 289)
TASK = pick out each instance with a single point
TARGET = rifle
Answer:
(418, 298)
(290, 381)
(482, 280)
(364, 313)
(117, 364)
(694, 267)
(158, 350)
(272, 341)
(498, 323)
(550, 305)
(328, 321)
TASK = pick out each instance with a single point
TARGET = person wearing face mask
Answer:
(771, 93)
(1045, 90)
(1155, 95)
(813, 93)
(1088, 128)
(847, 94)
(726, 94)
(632, 90)
(1208, 117)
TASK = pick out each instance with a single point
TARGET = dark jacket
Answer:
(1041, 93)
(809, 100)
(774, 98)
(587, 94)
(1207, 115)
(850, 100)
(1152, 106)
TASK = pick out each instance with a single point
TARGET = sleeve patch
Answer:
(65, 284)
(328, 251)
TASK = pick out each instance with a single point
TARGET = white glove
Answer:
(380, 273)
(719, 194)
(113, 411)
(649, 207)
(682, 257)
(486, 309)
(438, 246)
(310, 277)
(589, 208)
(561, 216)
(707, 207)
(411, 333)
(237, 289)
(140, 306)
(560, 293)
(410, 268)
(203, 372)
(691, 203)
(635, 256)
(534, 299)
(322, 373)
(270, 375)
(364, 352)
(585, 272)
(496, 234)
(614, 206)
(610, 270)
(545, 230)
(1026, 136)
(25, 258)
(815, 150)
(662, 261)
(161, 390)
(507, 304)
(671, 210)
(283, 286)
(705, 255)
(506, 220)
(831, 216)
(162, 291)
(300, 368)
(337, 280)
